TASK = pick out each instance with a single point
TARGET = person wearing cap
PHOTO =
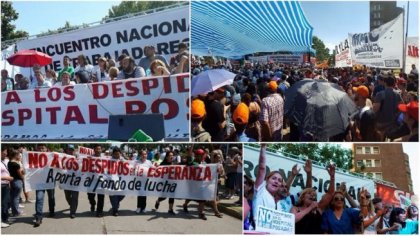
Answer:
(130, 70)
(386, 104)
(198, 113)
(194, 160)
(116, 199)
(411, 118)
(83, 65)
(215, 120)
(149, 56)
(253, 128)
(271, 117)
(72, 197)
(361, 99)
(240, 119)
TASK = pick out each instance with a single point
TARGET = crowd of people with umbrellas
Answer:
(79, 70)
(278, 102)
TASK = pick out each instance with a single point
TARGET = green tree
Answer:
(322, 52)
(67, 27)
(127, 7)
(331, 59)
(322, 153)
(8, 30)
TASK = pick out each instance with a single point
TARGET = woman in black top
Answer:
(16, 171)
(167, 162)
(308, 212)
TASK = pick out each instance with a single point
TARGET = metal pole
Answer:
(406, 37)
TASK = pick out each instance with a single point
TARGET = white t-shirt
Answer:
(371, 229)
(264, 198)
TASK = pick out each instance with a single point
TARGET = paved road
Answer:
(128, 222)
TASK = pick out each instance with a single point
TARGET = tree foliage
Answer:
(8, 15)
(127, 7)
(322, 52)
(67, 27)
(323, 153)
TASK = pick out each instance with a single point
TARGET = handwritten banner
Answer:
(45, 170)
(82, 111)
(275, 222)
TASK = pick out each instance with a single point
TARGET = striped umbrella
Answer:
(235, 28)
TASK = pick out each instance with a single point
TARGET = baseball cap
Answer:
(241, 114)
(70, 146)
(272, 86)
(401, 81)
(199, 151)
(362, 91)
(412, 109)
(198, 109)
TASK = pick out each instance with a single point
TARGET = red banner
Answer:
(390, 194)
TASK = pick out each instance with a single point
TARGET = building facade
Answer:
(382, 12)
(385, 162)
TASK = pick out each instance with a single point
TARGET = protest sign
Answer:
(275, 222)
(382, 47)
(343, 54)
(86, 151)
(45, 170)
(412, 53)
(82, 111)
(320, 177)
(164, 29)
(390, 195)
(404, 202)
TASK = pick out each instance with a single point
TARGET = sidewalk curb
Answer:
(228, 209)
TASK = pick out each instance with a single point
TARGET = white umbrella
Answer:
(210, 80)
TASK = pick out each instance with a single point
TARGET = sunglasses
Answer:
(339, 199)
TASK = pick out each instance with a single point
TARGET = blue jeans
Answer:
(39, 203)
(15, 191)
(115, 201)
(5, 202)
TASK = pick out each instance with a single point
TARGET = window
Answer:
(359, 150)
(359, 163)
(368, 163)
(367, 150)
(375, 150)
(377, 163)
(378, 175)
(376, 15)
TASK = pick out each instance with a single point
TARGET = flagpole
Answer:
(406, 37)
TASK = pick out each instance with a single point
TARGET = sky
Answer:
(333, 20)
(36, 17)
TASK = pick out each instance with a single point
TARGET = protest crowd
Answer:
(335, 213)
(253, 106)
(107, 69)
(228, 160)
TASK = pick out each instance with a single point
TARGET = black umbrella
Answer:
(319, 108)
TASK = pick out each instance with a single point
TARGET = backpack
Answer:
(202, 136)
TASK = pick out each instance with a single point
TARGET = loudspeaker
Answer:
(122, 127)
